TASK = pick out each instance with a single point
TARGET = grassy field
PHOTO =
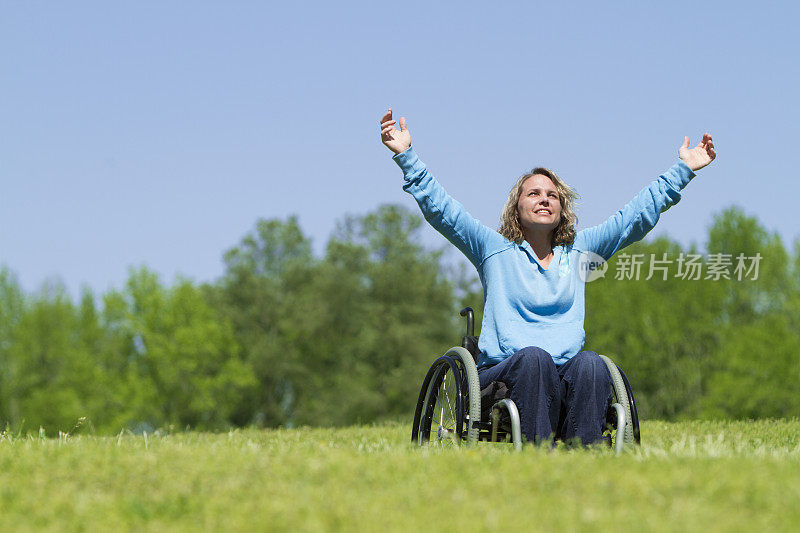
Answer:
(718, 476)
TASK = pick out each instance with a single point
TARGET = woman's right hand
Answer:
(395, 140)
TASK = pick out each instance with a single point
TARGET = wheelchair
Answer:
(452, 409)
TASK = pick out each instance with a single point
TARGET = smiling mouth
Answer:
(542, 211)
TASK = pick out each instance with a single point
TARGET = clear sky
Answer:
(157, 132)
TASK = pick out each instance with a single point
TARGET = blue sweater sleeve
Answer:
(636, 219)
(444, 213)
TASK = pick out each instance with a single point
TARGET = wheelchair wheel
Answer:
(620, 396)
(448, 408)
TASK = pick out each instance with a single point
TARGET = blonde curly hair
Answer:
(564, 233)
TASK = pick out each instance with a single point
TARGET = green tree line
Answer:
(287, 338)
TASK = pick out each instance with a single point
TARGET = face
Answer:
(539, 206)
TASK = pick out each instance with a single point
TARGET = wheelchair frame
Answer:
(450, 402)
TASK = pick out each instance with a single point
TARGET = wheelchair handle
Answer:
(467, 312)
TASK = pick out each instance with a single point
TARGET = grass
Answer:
(717, 476)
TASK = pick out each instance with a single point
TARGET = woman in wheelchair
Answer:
(532, 332)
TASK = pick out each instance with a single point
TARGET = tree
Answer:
(185, 364)
(11, 310)
(260, 287)
(734, 234)
(386, 312)
(45, 363)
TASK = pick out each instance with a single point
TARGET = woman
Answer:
(532, 331)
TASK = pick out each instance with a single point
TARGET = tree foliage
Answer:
(285, 337)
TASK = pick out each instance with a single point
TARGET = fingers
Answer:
(387, 123)
(710, 146)
(685, 142)
(387, 127)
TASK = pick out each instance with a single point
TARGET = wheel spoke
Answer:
(440, 406)
(450, 403)
(443, 425)
(440, 410)
(445, 435)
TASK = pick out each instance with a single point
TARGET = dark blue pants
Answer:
(565, 401)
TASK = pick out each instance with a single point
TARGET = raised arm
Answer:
(640, 215)
(444, 213)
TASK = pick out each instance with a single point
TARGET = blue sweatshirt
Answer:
(525, 304)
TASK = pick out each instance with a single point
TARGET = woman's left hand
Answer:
(699, 156)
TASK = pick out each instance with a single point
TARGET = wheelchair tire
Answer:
(449, 401)
(637, 438)
(621, 397)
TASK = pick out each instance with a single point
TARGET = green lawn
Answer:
(719, 476)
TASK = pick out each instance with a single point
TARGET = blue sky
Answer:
(158, 132)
